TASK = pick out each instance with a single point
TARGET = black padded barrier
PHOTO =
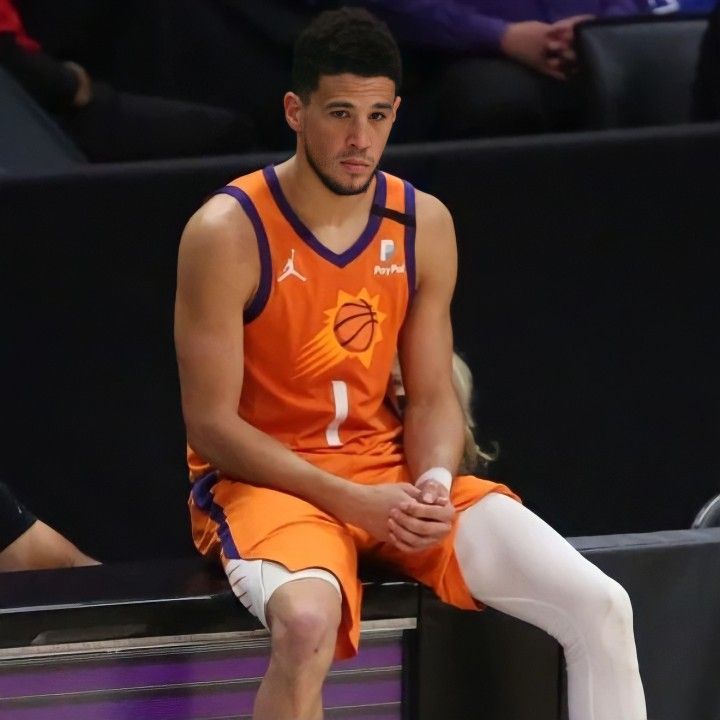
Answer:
(586, 307)
(96, 439)
(639, 71)
(503, 668)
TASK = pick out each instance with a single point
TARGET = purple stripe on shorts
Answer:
(202, 495)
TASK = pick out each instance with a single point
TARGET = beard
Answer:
(333, 185)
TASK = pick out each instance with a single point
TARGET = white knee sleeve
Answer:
(254, 582)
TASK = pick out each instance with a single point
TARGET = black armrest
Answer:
(151, 598)
(639, 71)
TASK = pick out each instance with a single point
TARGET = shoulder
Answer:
(435, 246)
(220, 226)
(218, 251)
(432, 216)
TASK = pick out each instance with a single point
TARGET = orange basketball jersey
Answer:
(321, 332)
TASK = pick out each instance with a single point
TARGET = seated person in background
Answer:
(496, 67)
(108, 125)
(689, 7)
(27, 543)
(706, 93)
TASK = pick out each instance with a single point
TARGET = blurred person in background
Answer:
(27, 543)
(497, 68)
(107, 124)
(706, 95)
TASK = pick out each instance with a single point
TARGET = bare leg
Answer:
(304, 616)
(515, 562)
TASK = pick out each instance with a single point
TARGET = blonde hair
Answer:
(474, 457)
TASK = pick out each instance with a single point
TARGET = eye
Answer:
(339, 114)
(378, 115)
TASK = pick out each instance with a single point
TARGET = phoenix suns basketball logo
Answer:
(351, 329)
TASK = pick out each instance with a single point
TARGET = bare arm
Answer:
(41, 547)
(218, 272)
(433, 421)
(434, 424)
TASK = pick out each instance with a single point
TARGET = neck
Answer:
(315, 202)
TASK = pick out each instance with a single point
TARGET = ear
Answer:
(396, 105)
(293, 111)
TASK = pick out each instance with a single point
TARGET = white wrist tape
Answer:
(438, 474)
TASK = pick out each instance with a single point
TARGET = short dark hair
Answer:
(348, 40)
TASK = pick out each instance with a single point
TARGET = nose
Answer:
(359, 136)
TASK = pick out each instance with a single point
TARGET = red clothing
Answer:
(11, 23)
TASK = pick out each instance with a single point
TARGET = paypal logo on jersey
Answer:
(389, 269)
(387, 249)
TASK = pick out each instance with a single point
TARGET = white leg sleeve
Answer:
(254, 582)
(516, 563)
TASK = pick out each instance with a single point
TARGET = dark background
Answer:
(586, 306)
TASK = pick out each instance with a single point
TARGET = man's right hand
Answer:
(527, 43)
(372, 505)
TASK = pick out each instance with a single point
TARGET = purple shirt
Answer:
(478, 25)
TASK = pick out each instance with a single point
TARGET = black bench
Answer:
(153, 632)
(132, 637)
(150, 599)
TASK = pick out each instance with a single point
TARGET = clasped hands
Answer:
(544, 47)
(408, 517)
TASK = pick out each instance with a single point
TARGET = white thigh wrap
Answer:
(254, 582)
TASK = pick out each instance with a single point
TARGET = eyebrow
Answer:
(345, 104)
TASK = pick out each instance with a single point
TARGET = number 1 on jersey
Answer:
(340, 400)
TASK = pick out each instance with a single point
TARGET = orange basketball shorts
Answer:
(231, 519)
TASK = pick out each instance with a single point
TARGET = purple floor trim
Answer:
(72, 678)
(192, 668)
(196, 706)
(386, 653)
(381, 713)
(363, 692)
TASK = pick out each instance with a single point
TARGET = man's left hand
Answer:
(560, 43)
(433, 492)
(422, 523)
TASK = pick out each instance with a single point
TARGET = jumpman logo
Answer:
(289, 269)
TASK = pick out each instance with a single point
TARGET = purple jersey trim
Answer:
(204, 500)
(263, 292)
(410, 238)
(309, 239)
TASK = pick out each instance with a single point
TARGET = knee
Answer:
(612, 598)
(303, 630)
(609, 609)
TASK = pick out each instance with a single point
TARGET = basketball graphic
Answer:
(350, 330)
(354, 325)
